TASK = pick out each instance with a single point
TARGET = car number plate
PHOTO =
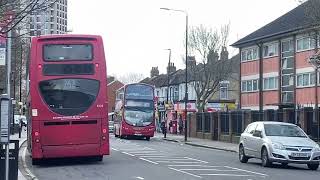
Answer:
(300, 154)
(137, 134)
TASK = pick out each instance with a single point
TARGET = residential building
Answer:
(112, 87)
(53, 21)
(274, 69)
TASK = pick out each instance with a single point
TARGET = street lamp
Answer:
(186, 75)
(315, 61)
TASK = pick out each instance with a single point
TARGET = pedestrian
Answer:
(180, 124)
(20, 126)
(163, 128)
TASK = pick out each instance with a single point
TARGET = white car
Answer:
(278, 142)
(17, 119)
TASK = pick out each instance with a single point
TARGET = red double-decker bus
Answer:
(134, 111)
(67, 100)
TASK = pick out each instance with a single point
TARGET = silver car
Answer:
(278, 142)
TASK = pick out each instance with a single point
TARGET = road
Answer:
(158, 160)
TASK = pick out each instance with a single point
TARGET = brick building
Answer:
(274, 68)
(112, 87)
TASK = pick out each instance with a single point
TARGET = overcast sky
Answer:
(136, 32)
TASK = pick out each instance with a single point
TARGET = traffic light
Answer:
(23, 111)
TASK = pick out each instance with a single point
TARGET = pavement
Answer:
(21, 141)
(205, 143)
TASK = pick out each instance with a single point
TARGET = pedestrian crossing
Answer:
(187, 165)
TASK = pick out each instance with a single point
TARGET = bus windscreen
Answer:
(138, 91)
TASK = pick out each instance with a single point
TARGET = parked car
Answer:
(278, 142)
(17, 119)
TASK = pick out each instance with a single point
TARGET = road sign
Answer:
(5, 105)
(2, 51)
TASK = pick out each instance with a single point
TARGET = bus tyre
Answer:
(148, 138)
(35, 161)
(98, 158)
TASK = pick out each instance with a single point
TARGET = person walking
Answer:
(180, 124)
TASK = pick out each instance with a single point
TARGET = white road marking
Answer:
(208, 170)
(128, 154)
(153, 156)
(185, 162)
(196, 160)
(234, 175)
(193, 165)
(139, 177)
(114, 149)
(168, 159)
(246, 171)
(185, 172)
(148, 161)
(143, 151)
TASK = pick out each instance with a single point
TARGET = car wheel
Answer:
(148, 138)
(265, 158)
(242, 156)
(313, 166)
(284, 165)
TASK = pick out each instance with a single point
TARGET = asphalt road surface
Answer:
(163, 160)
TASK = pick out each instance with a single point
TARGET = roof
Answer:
(297, 19)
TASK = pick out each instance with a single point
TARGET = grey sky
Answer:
(136, 32)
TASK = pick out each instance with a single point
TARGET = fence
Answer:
(228, 126)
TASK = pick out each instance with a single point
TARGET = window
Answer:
(287, 96)
(224, 89)
(287, 80)
(287, 63)
(287, 46)
(305, 43)
(58, 52)
(249, 54)
(270, 83)
(176, 94)
(69, 96)
(305, 79)
(250, 129)
(250, 85)
(270, 50)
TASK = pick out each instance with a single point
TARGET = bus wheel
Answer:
(148, 138)
(115, 135)
(36, 161)
(121, 137)
(98, 158)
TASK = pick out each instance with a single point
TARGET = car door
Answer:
(247, 138)
(257, 140)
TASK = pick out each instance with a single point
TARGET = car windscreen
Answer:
(283, 130)
(69, 96)
(65, 52)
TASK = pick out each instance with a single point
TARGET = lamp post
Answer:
(315, 61)
(186, 75)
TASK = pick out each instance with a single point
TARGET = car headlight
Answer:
(278, 146)
(317, 148)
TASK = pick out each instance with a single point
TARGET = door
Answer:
(257, 140)
(247, 139)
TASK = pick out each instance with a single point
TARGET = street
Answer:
(158, 159)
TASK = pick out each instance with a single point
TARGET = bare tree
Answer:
(210, 71)
(130, 78)
(14, 13)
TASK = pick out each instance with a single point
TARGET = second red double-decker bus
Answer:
(67, 98)
(134, 111)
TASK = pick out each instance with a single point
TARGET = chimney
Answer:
(191, 61)
(171, 68)
(154, 72)
(224, 55)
